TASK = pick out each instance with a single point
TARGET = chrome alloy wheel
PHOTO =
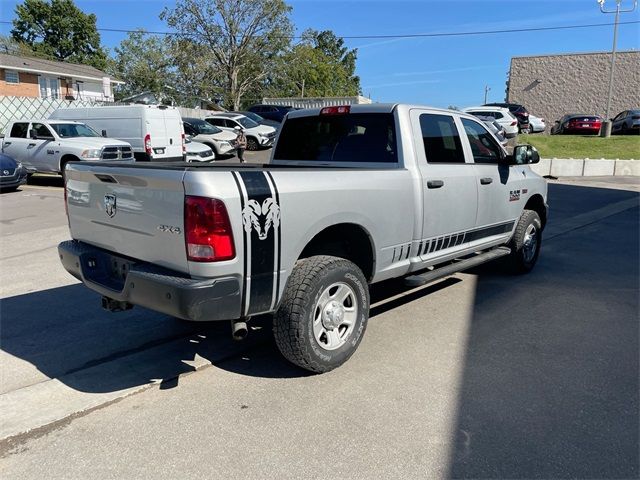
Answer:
(335, 315)
(530, 243)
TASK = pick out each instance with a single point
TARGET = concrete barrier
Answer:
(627, 167)
(567, 167)
(543, 168)
(598, 167)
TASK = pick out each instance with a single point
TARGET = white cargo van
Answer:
(154, 132)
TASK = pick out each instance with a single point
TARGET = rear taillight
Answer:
(513, 124)
(147, 144)
(341, 110)
(207, 229)
(184, 144)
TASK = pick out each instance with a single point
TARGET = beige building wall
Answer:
(27, 86)
(551, 86)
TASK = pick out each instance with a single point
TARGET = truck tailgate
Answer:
(136, 212)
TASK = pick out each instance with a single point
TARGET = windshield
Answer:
(72, 130)
(246, 122)
(253, 116)
(205, 128)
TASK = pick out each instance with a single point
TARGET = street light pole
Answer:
(486, 91)
(606, 127)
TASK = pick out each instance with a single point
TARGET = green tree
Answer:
(60, 30)
(145, 63)
(322, 64)
(239, 40)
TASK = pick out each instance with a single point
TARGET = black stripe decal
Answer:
(279, 228)
(259, 229)
(489, 231)
(244, 247)
(401, 252)
(408, 251)
(394, 256)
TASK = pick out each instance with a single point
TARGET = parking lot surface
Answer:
(483, 375)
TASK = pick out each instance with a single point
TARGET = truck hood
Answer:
(93, 142)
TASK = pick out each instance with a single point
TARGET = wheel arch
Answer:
(350, 241)
(67, 157)
(536, 203)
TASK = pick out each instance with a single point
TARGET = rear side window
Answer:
(19, 130)
(357, 137)
(483, 147)
(441, 140)
(216, 121)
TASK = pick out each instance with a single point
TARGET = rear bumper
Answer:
(152, 287)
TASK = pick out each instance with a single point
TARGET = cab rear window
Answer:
(357, 137)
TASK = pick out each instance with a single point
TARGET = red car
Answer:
(577, 124)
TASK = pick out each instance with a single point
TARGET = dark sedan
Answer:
(626, 123)
(12, 175)
(577, 124)
(272, 112)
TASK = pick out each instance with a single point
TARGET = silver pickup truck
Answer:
(352, 196)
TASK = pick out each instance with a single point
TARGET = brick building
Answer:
(551, 86)
(38, 78)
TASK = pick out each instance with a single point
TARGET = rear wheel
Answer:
(526, 242)
(323, 313)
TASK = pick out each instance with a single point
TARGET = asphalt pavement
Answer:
(483, 375)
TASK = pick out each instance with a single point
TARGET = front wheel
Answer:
(323, 313)
(526, 242)
(252, 144)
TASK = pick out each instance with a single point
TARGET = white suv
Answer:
(502, 115)
(258, 136)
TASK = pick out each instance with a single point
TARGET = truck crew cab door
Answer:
(448, 183)
(42, 150)
(499, 186)
(16, 142)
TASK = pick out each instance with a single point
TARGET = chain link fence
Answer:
(15, 108)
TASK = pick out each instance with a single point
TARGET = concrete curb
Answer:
(586, 167)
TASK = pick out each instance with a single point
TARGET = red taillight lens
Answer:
(147, 144)
(184, 144)
(513, 124)
(341, 110)
(207, 228)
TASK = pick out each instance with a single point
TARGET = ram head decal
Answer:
(261, 217)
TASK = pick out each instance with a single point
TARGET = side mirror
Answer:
(104, 133)
(33, 135)
(237, 129)
(557, 121)
(523, 155)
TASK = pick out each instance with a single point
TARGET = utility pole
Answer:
(302, 96)
(486, 92)
(605, 131)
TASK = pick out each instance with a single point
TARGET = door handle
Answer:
(7, 143)
(486, 180)
(435, 183)
(31, 145)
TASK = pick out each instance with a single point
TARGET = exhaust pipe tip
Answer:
(239, 330)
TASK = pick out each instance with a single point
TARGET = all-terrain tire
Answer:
(525, 243)
(293, 323)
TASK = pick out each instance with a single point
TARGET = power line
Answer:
(396, 36)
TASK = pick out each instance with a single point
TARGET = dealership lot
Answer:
(481, 375)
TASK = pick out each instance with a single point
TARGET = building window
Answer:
(11, 76)
(49, 87)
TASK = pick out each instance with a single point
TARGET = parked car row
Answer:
(127, 134)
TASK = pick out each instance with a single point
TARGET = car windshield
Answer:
(253, 116)
(246, 122)
(204, 127)
(72, 130)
